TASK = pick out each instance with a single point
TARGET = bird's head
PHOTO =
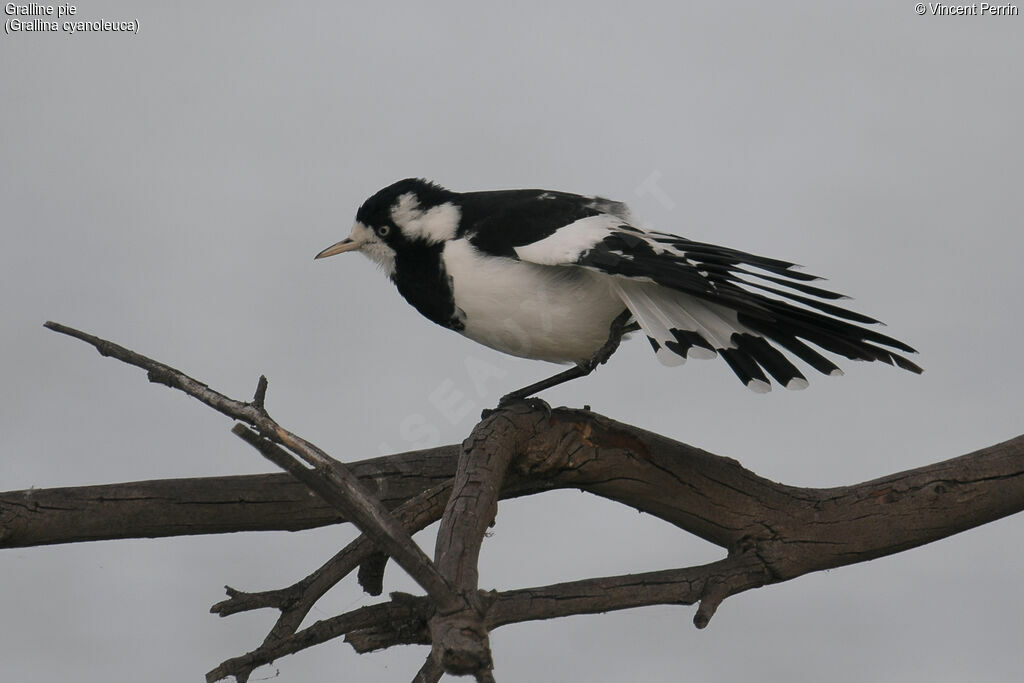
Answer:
(410, 212)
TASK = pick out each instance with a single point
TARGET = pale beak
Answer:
(347, 244)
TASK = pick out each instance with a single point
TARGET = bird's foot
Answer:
(509, 400)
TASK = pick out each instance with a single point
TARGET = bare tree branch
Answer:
(459, 640)
(213, 505)
(296, 600)
(328, 478)
(822, 528)
(771, 532)
(404, 620)
(430, 672)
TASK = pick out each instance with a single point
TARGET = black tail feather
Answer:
(771, 359)
(745, 367)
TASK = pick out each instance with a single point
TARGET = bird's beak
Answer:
(347, 244)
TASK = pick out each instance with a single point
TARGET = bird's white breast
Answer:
(554, 313)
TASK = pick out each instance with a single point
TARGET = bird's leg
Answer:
(574, 372)
(618, 329)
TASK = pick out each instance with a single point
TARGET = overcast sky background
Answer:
(168, 191)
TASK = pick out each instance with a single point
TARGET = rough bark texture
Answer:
(988, 480)
(771, 532)
(213, 505)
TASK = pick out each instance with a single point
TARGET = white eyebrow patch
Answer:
(436, 224)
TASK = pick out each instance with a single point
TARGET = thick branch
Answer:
(459, 641)
(214, 505)
(709, 495)
(721, 501)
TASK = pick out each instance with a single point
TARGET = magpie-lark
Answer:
(562, 277)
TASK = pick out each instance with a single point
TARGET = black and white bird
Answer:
(562, 277)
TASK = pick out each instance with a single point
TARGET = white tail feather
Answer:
(652, 320)
(658, 310)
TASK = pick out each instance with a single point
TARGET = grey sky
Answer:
(168, 190)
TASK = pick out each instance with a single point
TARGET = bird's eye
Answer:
(383, 230)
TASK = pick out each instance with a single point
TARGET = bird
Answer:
(564, 278)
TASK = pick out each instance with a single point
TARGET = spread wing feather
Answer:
(698, 300)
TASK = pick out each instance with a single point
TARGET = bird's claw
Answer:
(509, 400)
